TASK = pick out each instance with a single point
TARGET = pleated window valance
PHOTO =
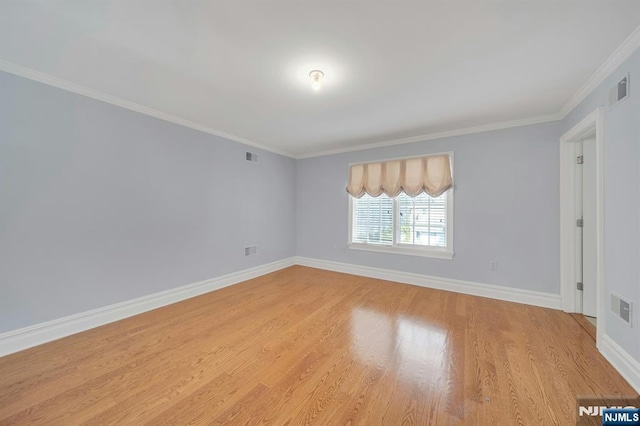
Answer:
(413, 176)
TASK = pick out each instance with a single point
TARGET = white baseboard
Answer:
(24, 338)
(626, 365)
(528, 297)
(17, 340)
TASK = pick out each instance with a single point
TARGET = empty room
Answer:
(343, 212)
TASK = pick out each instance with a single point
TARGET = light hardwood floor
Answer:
(303, 346)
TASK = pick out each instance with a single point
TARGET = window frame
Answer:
(396, 247)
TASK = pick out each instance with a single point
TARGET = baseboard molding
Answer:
(620, 359)
(24, 338)
(527, 297)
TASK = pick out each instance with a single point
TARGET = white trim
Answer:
(582, 129)
(27, 337)
(621, 54)
(17, 340)
(593, 123)
(628, 47)
(528, 297)
(621, 360)
(439, 135)
(432, 252)
(50, 80)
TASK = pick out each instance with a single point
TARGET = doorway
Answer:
(585, 247)
(581, 220)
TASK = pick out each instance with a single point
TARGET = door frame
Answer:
(592, 124)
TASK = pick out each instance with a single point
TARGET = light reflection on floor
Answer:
(414, 350)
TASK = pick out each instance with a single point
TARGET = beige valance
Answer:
(413, 176)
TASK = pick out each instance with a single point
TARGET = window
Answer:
(417, 226)
(420, 225)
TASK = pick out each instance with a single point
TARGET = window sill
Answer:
(433, 253)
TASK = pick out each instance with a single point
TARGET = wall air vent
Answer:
(619, 92)
(621, 308)
(251, 251)
(252, 157)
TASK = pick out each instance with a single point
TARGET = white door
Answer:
(590, 292)
(578, 210)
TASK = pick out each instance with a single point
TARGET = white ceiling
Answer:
(392, 69)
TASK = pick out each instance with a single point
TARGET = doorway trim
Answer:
(592, 124)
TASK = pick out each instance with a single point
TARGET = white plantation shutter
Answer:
(373, 220)
(422, 220)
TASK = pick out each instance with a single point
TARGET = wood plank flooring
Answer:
(585, 324)
(306, 346)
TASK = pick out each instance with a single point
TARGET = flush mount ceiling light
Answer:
(316, 76)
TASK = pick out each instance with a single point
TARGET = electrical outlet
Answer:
(493, 265)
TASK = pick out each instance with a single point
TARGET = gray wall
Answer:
(622, 196)
(506, 208)
(99, 204)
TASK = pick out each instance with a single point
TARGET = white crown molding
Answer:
(621, 360)
(621, 54)
(50, 80)
(17, 340)
(509, 294)
(439, 135)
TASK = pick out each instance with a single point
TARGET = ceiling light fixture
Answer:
(316, 76)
